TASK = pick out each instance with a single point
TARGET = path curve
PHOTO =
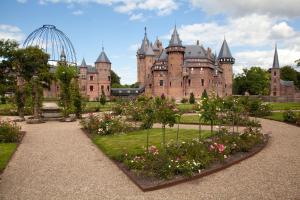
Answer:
(57, 161)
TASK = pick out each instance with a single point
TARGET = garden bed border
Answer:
(23, 133)
(180, 180)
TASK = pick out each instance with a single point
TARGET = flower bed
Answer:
(10, 137)
(190, 157)
(105, 124)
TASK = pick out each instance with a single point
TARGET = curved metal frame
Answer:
(52, 41)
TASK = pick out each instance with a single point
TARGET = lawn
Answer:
(278, 116)
(94, 106)
(135, 142)
(285, 106)
(186, 107)
(6, 151)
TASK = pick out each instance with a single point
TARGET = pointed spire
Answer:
(175, 40)
(83, 63)
(102, 58)
(275, 60)
(225, 51)
(145, 44)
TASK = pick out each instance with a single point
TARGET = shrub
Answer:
(192, 98)
(105, 125)
(9, 131)
(184, 100)
(102, 98)
(289, 116)
(190, 157)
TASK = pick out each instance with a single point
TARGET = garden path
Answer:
(57, 161)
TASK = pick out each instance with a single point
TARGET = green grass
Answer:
(6, 151)
(135, 142)
(186, 107)
(285, 106)
(277, 116)
(92, 105)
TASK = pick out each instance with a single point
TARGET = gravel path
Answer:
(57, 161)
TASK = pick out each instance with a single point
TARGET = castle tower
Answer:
(157, 47)
(82, 77)
(226, 61)
(275, 75)
(175, 52)
(103, 67)
(141, 60)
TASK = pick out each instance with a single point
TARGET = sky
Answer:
(250, 27)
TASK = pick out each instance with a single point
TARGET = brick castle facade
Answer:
(179, 70)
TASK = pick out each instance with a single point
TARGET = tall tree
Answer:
(115, 79)
(7, 78)
(255, 80)
(288, 73)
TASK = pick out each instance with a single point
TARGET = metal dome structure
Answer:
(54, 42)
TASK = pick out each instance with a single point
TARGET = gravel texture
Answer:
(57, 161)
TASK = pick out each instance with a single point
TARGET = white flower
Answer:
(169, 166)
(225, 156)
(199, 171)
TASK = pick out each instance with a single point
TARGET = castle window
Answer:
(189, 82)
(161, 82)
(181, 83)
(202, 82)
(91, 88)
(225, 85)
(102, 87)
(150, 85)
(108, 88)
(274, 73)
(109, 78)
(91, 78)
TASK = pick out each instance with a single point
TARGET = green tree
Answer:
(65, 74)
(297, 62)
(102, 98)
(192, 98)
(115, 79)
(165, 114)
(288, 73)
(7, 78)
(255, 80)
(204, 94)
(77, 99)
(31, 66)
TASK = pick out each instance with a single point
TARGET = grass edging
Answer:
(182, 179)
(13, 153)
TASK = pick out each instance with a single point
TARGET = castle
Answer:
(179, 70)
(93, 81)
(280, 87)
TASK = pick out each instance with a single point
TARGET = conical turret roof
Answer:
(275, 60)
(83, 63)
(175, 40)
(102, 58)
(225, 51)
(145, 44)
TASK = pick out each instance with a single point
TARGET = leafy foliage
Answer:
(102, 98)
(288, 73)
(255, 80)
(289, 116)
(192, 98)
(9, 131)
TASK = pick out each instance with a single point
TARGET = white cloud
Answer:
(264, 58)
(134, 17)
(286, 8)
(22, 1)
(11, 32)
(244, 34)
(160, 7)
(77, 12)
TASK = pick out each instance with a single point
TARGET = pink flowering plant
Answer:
(105, 124)
(9, 131)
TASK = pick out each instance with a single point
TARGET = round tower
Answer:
(226, 61)
(103, 67)
(175, 52)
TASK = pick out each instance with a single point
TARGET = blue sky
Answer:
(251, 28)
